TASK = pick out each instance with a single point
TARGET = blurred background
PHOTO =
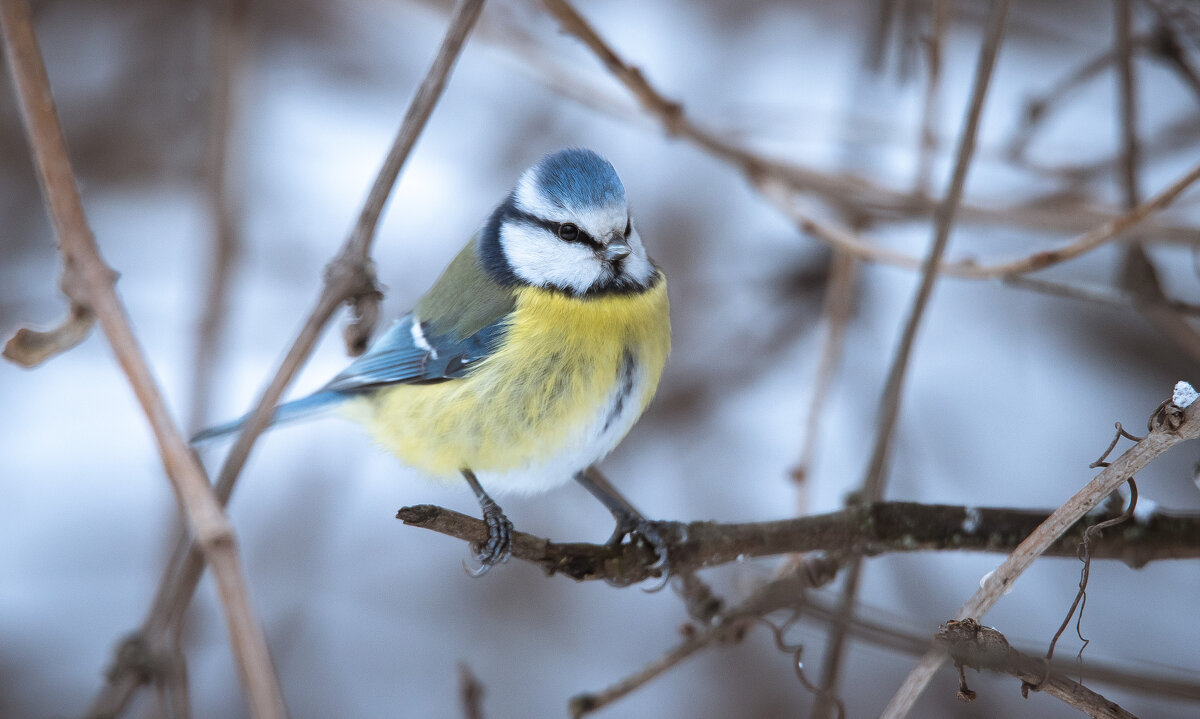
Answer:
(1011, 391)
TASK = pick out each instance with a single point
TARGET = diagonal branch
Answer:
(875, 481)
(1170, 425)
(1104, 233)
(229, 41)
(349, 277)
(974, 645)
(1140, 276)
(91, 283)
(853, 196)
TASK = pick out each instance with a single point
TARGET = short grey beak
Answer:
(616, 250)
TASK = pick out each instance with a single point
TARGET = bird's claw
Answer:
(498, 547)
(658, 535)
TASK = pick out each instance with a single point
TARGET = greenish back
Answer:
(465, 299)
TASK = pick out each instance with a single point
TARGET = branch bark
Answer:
(875, 479)
(868, 529)
(349, 277)
(974, 645)
(90, 283)
(1170, 425)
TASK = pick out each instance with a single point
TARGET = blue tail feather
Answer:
(287, 412)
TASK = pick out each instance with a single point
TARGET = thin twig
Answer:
(1086, 293)
(1085, 551)
(785, 591)
(29, 347)
(1139, 275)
(91, 283)
(1170, 427)
(869, 251)
(1037, 108)
(229, 38)
(839, 303)
(854, 196)
(934, 45)
(349, 277)
(1166, 47)
(470, 692)
(886, 635)
(875, 480)
(974, 645)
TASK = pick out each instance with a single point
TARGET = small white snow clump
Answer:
(984, 580)
(1184, 395)
(971, 520)
(1145, 511)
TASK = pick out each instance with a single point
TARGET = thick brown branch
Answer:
(873, 529)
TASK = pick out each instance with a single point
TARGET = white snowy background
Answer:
(1010, 395)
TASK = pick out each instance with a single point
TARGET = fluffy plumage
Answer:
(534, 353)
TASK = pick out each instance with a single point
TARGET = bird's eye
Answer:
(628, 227)
(568, 232)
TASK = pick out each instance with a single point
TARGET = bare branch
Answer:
(974, 645)
(935, 43)
(867, 529)
(1169, 426)
(875, 480)
(785, 591)
(90, 282)
(470, 692)
(1087, 293)
(839, 302)
(852, 195)
(867, 250)
(229, 40)
(29, 347)
(349, 277)
(886, 635)
(1140, 276)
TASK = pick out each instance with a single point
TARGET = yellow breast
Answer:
(568, 381)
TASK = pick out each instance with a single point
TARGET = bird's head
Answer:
(566, 226)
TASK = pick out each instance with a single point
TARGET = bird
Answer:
(529, 359)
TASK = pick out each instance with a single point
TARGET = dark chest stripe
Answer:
(625, 375)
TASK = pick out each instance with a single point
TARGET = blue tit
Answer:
(530, 358)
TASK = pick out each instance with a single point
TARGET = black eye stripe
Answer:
(520, 215)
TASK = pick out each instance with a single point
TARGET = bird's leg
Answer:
(630, 521)
(499, 543)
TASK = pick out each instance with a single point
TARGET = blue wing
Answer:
(408, 353)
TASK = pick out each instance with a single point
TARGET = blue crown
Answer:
(577, 177)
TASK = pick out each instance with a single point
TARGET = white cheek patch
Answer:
(637, 265)
(540, 258)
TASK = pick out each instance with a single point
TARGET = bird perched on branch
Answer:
(530, 358)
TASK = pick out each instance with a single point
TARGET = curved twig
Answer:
(1178, 425)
